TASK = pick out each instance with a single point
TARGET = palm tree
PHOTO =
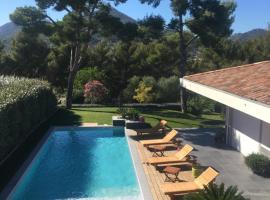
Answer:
(217, 192)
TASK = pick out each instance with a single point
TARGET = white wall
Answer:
(248, 134)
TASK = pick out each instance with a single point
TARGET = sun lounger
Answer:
(166, 140)
(158, 128)
(198, 184)
(180, 156)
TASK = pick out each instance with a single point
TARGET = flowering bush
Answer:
(95, 92)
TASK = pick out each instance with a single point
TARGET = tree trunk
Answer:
(74, 64)
(182, 65)
(71, 78)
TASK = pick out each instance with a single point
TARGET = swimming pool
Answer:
(80, 163)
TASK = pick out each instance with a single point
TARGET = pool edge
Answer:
(12, 184)
(140, 174)
(138, 168)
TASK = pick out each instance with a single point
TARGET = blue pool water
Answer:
(84, 163)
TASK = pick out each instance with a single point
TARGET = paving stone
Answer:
(228, 162)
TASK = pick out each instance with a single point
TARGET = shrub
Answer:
(146, 91)
(78, 96)
(86, 75)
(150, 81)
(129, 113)
(197, 105)
(259, 164)
(217, 192)
(144, 94)
(95, 92)
(168, 89)
(23, 104)
(82, 77)
(129, 92)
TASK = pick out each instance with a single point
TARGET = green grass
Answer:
(103, 115)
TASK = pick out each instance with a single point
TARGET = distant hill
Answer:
(9, 30)
(123, 17)
(255, 33)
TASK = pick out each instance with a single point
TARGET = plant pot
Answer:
(196, 171)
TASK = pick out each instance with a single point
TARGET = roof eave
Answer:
(250, 107)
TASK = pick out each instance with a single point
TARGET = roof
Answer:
(251, 81)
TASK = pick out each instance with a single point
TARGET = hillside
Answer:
(255, 33)
(8, 31)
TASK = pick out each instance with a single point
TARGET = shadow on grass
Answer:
(170, 114)
(65, 118)
(98, 111)
(187, 124)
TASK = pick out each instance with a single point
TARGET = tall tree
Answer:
(29, 53)
(151, 27)
(208, 20)
(83, 20)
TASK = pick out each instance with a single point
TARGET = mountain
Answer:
(123, 17)
(9, 30)
(255, 33)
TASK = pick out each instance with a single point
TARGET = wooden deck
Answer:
(155, 178)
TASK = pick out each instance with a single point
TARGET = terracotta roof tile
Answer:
(250, 81)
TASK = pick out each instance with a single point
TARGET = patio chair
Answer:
(158, 128)
(198, 184)
(165, 140)
(178, 157)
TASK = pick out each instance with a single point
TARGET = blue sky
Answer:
(249, 14)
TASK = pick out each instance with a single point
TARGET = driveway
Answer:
(228, 162)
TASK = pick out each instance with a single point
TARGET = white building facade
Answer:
(245, 91)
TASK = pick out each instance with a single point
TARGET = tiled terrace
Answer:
(227, 161)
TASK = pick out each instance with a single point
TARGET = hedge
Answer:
(24, 103)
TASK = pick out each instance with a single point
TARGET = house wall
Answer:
(246, 133)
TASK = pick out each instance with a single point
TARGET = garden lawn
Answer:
(103, 115)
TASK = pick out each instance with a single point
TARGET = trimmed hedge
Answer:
(24, 103)
(259, 164)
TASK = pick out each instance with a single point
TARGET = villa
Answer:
(245, 91)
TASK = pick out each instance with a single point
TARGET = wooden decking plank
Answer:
(154, 176)
(150, 175)
(147, 173)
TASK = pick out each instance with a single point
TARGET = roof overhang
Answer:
(253, 108)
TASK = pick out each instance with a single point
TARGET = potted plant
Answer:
(197, 169)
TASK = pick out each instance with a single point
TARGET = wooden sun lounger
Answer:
(180, 156)
(198, 184)
(159, 127)
(166, 140)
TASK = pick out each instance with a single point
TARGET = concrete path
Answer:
(228, 162)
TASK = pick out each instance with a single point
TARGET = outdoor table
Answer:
(158, 150)
(170, 170)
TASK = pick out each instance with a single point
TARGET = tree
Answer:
(151, 27)
(207, 20)
(29, 52)
(83, 20)
(95, 92)
(1, 55)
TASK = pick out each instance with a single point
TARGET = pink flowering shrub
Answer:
(95, 92)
